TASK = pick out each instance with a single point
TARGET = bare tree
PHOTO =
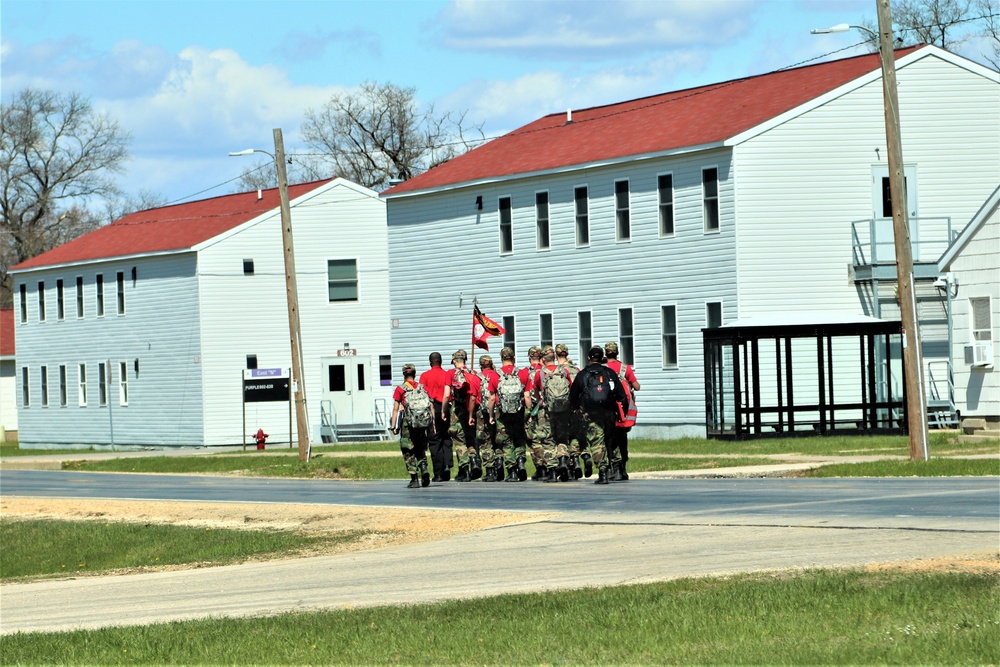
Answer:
(379, 134)
(262, 175)
(990, 11)
(56, 154)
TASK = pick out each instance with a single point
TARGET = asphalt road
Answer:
(643, 530)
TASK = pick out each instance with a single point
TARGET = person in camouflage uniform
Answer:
(599, 416)
(486, 427)
(551, 428)
(529, 374)
(511, 437)
(461, 394)
(576, 441)
(412, 440)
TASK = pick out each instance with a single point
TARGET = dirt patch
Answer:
(382, 526)
(981, 564)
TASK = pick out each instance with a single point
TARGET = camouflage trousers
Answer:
(511, 438)
(598, 425)
(531, 433)
(463, 436)
(486, 439)
(551, 434)
(413, 445)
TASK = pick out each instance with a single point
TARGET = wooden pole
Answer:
(913, 372)
(294, 327)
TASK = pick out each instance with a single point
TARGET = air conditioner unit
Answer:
(979, 354)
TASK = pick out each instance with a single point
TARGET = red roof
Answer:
(177, 227)
(6, 332)
(685, 118)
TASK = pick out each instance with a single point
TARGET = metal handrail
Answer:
(328, 417)
(934, 234)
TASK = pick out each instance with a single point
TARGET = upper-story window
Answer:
(41, 301)
(623, 224)
(710, 198)
(342, 279)
(23, 290)
(506, 226)
(665, 201)
(121, 292)
(79, 296)
(542, 220)
(60, 300)
(99, 282)
(248, 267)
(582, 207)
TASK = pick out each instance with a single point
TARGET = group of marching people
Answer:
(571, 420)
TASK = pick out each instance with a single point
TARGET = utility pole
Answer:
(294, 327)
(916, 405)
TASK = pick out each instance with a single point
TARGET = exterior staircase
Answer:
(980, 430)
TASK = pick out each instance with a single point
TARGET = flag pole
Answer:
(475, 306)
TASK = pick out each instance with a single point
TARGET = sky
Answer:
(193, 81)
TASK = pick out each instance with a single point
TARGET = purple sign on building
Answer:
(267, 373)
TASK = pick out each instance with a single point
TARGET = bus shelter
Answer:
(798, 378)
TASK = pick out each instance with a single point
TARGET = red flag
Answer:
(482, 328)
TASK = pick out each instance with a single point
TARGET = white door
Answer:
(347, 385)
(882, 212)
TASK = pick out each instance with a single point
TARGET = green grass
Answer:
(50, 547)
(11, 448)
(812, 617)
(817, 446)
(255, 465)
(935, 467)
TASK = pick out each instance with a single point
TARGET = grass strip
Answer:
(51, 547)
(254, 465)
(812, 617)
(935, 467)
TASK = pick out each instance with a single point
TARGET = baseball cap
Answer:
(534, 352)
(507, 353)
(595, 353)
(485, 360)
(562, 349)
(460, 354)
(611, 347)
(409, 368)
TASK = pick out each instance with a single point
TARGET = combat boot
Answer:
(414, 482)
(550, 474)
(621, 471)
(498, 470)
(463, 474)
(539, 473)
(476, 467)
(512, 474)
(522, 471)
(602, 476)
(563, 471)
(615, 472)
(588, 466)
(446, 475)
(425, 478)
(491, 474)
(577, 471)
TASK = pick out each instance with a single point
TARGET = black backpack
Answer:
(598, 392)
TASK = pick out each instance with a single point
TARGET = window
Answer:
(582, 216)
(342, 279)
(60, 300)
(248, 267)
(623, 228)
(25, 388)
(545, 329)
(336, 377)
(82, 385)
(63, 391)
(982, 328)
(100, 295)
(41, 302)
(713, 315)
(121, 292)
(45, 386)
(102, 379)
(626, 337)
(79, 296)
(251, 361)
(122, 383)
(506, 227)
(668, 328)
(361, 377)
(710, 198)
(24, 302)
(508, 333)
(585, 334)
(665, 198)
(542, 220)
(385, 370)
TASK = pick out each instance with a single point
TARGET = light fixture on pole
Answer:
(916, 405)
(291, 290)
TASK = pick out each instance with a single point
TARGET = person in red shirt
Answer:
(486, 428)
(528, 374)
(551, 427)
(508, 409)
(412, 439)
(619, 434)
(461, 389)
(439, 443)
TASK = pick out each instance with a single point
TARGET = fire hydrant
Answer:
(260, 437)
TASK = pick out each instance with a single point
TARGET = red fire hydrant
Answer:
(260, 437)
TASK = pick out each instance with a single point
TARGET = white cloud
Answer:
(576, 30)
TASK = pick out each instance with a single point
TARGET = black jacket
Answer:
(578, 394)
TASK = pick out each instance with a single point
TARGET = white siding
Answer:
(159, 329)
(444, 252)
(8, 396)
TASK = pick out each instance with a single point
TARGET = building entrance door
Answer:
(346, 384)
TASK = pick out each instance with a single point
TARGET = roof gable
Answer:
(703, 116)
(989, 208)
(167, 229)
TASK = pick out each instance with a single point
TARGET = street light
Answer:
(291, 290)
(916, 404)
